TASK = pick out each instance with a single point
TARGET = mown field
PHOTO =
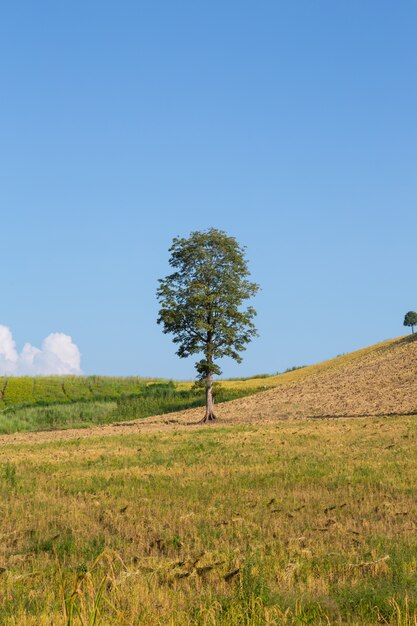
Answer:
(380, 380)
(286, 522)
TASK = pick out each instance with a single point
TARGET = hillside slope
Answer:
(378, 380)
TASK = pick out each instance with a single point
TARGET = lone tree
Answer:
(201, 302)
(410, 319)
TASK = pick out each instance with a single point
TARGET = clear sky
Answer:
(290, 125)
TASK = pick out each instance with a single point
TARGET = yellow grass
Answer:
(304, 372)
(269, 522)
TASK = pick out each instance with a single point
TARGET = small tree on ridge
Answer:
(201, 302)
(410, 319)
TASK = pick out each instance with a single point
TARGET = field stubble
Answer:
(286, 522)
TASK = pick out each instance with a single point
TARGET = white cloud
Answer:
(58, 354)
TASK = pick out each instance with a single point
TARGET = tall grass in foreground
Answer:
(92, 593)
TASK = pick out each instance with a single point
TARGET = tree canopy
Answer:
(410, 319)
(201, 302)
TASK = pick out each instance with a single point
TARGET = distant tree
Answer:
(410, 319)
(201, 303)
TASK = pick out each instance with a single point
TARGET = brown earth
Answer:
(382, 381)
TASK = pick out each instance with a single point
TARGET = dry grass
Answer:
(377, 380)
(381, 380)
(285, 522)
(301, 373)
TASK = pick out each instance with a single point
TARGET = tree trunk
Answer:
(209, 416)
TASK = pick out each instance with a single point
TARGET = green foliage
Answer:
(9, 474)
(201, 302)
(60, 415)
(294, 368)
(43, 390)
(153, 399)
(168, 399)
(410, 319)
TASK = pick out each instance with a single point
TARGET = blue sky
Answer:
(291, 125)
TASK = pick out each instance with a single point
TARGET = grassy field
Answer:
(286, 522)
(149, 399)
(41, 390)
